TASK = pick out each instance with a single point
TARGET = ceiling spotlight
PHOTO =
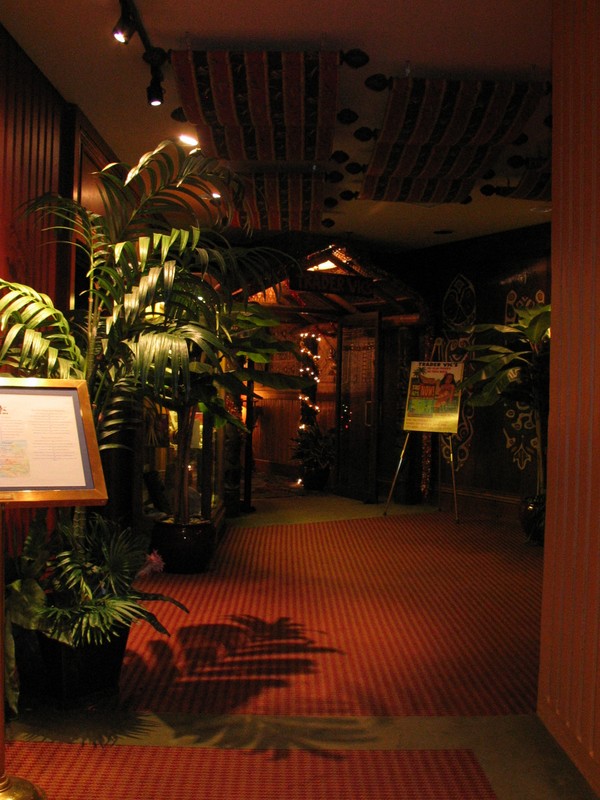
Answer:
(188, 140)
(156, 57)
(155, 92)
(126, 26)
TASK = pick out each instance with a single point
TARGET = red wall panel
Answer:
(569, 691)
(30, 125)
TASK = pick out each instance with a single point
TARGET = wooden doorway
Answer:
(358, 406)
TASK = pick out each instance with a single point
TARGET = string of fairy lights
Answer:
(309, 367)
(309, 352)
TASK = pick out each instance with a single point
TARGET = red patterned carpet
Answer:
(155, 773)
(402, 615)
(297, 637)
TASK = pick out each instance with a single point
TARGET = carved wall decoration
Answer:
(459, 308)
(460, 303)
(519, 429)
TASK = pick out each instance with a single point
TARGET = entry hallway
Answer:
(331, 651)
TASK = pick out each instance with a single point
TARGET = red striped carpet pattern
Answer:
(405, 615)
(155, 773)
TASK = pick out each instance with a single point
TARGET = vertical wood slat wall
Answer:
(569, 689)
(30, 134)
(277, 425)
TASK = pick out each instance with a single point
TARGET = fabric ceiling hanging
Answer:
(440, 136)
(260, 106)
(272, 116)
(294, 198)
(536, 184)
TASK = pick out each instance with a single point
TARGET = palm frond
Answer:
(36, 338)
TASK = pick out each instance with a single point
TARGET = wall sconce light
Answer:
(126, 26)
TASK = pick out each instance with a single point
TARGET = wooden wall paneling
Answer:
(3, 148)
(277, 423)
(30, 138)
(46, 145)
(569, 688)
(83, 153)
(30, 113)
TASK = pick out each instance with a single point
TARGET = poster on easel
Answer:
(433, 401)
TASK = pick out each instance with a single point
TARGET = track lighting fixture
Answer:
(155, 92)
(126, 26)
(156, 57)
(129, 23)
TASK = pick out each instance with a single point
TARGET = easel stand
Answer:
(398, 468)
(11, 787)
(452, 470)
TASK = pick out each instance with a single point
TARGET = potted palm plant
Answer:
(313, 447)
(165, 315)
(217, 360)
(158, 318)
(511, 365)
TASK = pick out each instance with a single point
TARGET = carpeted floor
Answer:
(154, 773)
(370, 657)
(395, 616)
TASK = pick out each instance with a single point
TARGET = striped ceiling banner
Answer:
(285, 201)
(272, 114)
(260, 106)
(440, 136)
(534, 185)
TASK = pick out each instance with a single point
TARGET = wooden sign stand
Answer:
(48, 457)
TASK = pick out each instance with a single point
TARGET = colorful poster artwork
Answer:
(433, 400)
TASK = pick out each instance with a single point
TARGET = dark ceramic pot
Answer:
(532, 515)
(315, 479)
(75, 675)
(185, 549)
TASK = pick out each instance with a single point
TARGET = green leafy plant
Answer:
(313, 447)
(510, 364)
(76, 584)
(165, 314)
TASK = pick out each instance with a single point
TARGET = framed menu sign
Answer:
(48, 448)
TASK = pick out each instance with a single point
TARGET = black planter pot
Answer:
(67, 676)
(315, 479)
(532, 515)
(185, 549)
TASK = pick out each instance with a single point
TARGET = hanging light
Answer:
(126, 26)
(156, 57)
(129, 23)
(155, 91)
